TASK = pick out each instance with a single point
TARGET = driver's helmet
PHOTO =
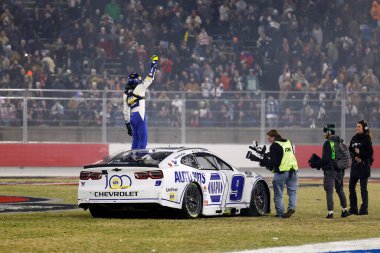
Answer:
(134, 79)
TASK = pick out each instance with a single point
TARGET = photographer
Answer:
(282, 162)
(362, 157)
(332, 176)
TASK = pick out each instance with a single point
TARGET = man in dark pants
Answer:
(333, 177)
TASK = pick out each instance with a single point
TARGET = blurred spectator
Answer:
(308, 116)
(113, 10)
(371, 81)
(252, 83)
(204, 41)
(288, 119)
(192, 88)
(224, 15)
(7, 113)
(177, 104)
(205, 116)
(272, 110)
(37, 113)
(322, 114)
(351, 111)
(225, 80)
(77, 56)
(57, 113)
(375, 10)
(194, 21)
(7, 19)
(206, 87)
(163, 116)
(217, 89)
(48, 63)
(4, 63)
(4, 39)
(166, 67)
(104, 42)
(194, 118)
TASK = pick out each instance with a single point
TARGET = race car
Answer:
(193, 181)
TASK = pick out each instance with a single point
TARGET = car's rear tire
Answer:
(259, 204)
(98, 211)
(192, 203)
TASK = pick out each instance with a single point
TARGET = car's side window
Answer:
(206, 161)
(190, 160)
(223, 165)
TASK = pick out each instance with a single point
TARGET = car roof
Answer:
(178, 149)
(167, 149)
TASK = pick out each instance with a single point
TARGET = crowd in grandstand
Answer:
(221, 53)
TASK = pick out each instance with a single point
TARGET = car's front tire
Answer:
(192, 202)
(259, 204)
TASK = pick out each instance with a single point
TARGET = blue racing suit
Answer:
(134, 110)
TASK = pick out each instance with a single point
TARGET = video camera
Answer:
(262, 156)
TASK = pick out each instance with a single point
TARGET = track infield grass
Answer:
(77, 231)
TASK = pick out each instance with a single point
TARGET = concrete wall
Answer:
(75, 155)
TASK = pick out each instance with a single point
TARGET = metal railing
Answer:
(31, 115)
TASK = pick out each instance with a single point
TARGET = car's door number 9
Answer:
(237, 186)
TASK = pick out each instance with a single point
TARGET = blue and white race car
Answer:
(193, 181)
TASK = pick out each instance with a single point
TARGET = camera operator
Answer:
(282, 162)
(332, 176)
(361, 151)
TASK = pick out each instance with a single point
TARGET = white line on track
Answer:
(350, 246)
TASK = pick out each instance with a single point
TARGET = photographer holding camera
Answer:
(361, 151)
(333, 177)
(282, 162)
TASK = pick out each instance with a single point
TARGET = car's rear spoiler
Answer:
(118, 165)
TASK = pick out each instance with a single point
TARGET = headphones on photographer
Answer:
(328, 129)
(364, 124)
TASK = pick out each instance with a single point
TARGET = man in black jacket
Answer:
(332, 176)
(283, 163)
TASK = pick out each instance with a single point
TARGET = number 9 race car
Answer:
(193, 181)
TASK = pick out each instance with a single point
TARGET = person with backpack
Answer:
(362, 157)
(333, 176)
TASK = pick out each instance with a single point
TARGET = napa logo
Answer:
(215, 188)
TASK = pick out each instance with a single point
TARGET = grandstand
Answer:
(241, 64)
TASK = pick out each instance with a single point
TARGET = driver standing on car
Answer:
(283, 163)
(134, 106)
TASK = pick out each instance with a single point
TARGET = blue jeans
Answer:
(279, 182)
(139, 131)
